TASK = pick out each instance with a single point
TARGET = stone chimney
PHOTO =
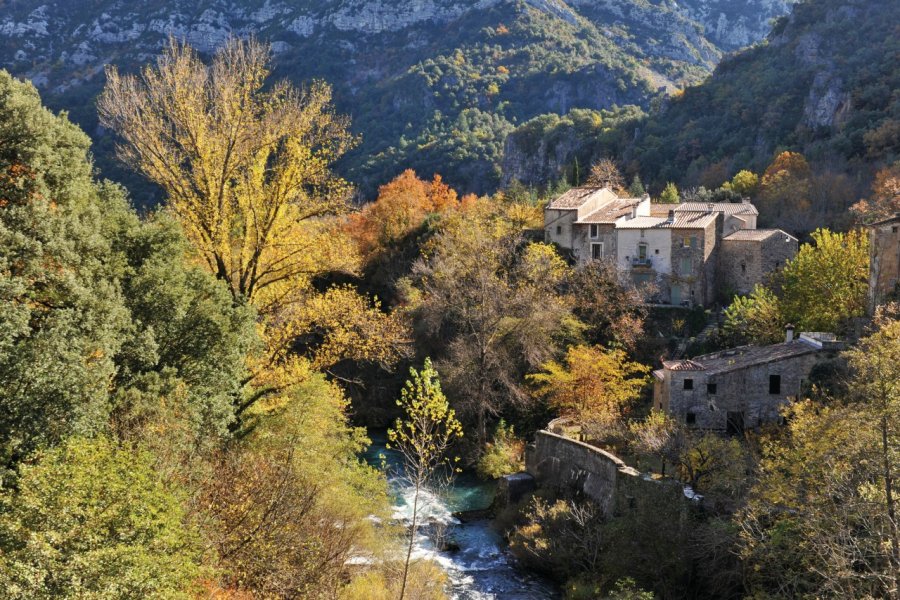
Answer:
(710, 207)
(789, 333)
(671, 218)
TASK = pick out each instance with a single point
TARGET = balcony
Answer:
(641, 263)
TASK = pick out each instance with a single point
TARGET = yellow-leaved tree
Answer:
(246, 168)
(595, 386)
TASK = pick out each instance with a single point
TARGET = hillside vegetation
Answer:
(838, 107)
(434, 85)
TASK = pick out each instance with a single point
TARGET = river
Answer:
(482, 568)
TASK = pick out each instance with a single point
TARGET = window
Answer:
(690, 418)
(711, 389)
(688, 384)
(559, 230)
(694, 243)
(595, 231)
(686, 266)
(894, 229)
(686, 242)
(597, 251)
(642, 233)
(743, 268)
(656, 251)
(774, 384)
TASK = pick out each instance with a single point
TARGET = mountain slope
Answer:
(824, 83)
(436, 84)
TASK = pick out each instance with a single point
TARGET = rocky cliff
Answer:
(412, 73)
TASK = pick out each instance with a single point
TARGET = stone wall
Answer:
(743, 391)
(884, 258)
(744, 263)
(563, 463)
(698, 282)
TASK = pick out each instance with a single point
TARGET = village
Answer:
(684, 255)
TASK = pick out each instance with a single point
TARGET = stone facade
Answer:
(694, 259)
(562, 463)
(748, 257)
(884, 261)
(676, 248)
(743, 388)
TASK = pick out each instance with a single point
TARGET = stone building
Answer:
(677, 248)
(733, 390)
(884, 261)
(747, 256)
(676, 253)
(583, 220)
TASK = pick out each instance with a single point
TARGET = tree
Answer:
(605, 173)
(423, 437)
(715, 466)
(659, 435)
(669, 195)
(612, 311)
(595, 386)
(247, 170)
(401, 207)
(744, 183)
(885, 199)
(104, 316)
(755, 319)
(636, 189)
(92, 520)
(875, 364)
(491, 303)
(826, 283)
(784, 191)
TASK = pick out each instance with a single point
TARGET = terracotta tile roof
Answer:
(642, 223)
(612, 212)
(741, 358)
(682, 365)
(576, 197)
(729, 208)
(757, 235)
(661, 210)
(889, 220)
(690, 220)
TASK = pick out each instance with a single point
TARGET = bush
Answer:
(93, 520)
(505, 455)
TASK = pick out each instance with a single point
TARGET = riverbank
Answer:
(474, 556)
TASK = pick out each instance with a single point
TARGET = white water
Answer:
(482, 568)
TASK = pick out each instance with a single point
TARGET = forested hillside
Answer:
(838, 107)
(435, 85)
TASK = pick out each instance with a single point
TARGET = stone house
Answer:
(747, 256)
(676, 253)
(741, 388)
(735, 215)
(583, 220)
(677, 248)
(884, 261)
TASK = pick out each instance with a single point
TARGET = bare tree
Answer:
(605, 173)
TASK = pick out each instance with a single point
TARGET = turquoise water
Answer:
(482, 568)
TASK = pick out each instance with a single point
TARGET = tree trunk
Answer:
(891, 511)
(412, 539)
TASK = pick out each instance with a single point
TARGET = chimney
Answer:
(671, 218)
(789, 333)
(710, 207)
